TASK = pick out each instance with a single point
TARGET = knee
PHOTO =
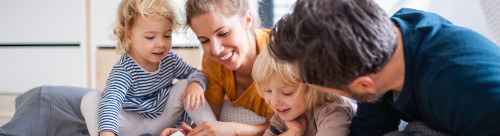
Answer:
(93, 95)
(92, 98)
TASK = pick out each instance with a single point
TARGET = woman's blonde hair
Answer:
(227, 7)
(129, 10)
(265, 67)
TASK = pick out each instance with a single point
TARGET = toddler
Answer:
(299, 109)
(140, 97)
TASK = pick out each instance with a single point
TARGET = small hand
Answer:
(107, 133)
(296, 127)
(193, 94)
(169, 131)
(214, 128)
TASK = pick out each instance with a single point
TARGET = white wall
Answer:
(466, 13)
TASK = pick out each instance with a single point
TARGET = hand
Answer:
(169, 131)
(214, 128)
(193, 94)
(296, 127)
(107, 133)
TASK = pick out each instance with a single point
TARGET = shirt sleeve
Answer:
(215, 91)
(184, 70)
(335, 118)
(374, 119)
(117, 85)
(276, 127)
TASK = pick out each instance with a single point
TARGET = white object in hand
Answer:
(177, 133)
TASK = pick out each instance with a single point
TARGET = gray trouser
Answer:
(133, 124)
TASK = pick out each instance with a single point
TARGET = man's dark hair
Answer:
(334, 41)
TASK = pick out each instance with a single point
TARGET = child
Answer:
(139, 97)
(299, 110)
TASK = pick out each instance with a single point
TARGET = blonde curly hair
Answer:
(129, 10)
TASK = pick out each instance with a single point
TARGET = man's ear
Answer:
(362, 85)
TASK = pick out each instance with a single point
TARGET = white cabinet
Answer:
(28, 26)
(23, 68)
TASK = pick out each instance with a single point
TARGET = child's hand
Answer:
(107, 133)
(169, 131)
(194, 94)
(296, 127)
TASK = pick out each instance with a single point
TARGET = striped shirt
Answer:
(132, 88)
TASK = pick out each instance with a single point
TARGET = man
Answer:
(414, 66)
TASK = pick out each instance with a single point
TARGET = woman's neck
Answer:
(245, 69)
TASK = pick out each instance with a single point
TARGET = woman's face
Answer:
(223, 38)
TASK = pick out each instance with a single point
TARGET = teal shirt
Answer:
(452, 81)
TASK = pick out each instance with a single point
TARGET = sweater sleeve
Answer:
(276, 127)
(117, 85)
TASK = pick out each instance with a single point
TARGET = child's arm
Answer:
(194, 94)
(111, 103)
(296, 127)
(183, 70)
(276, 126)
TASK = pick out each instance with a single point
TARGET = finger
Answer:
(169, 131)
(188, 99)
(191, 103)
(186, 128)
(197, 100)
(202, 100)
(197, 130)
(183, 96)
(165, 132)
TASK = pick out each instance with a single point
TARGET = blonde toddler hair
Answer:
(265, 67)
(129, 10)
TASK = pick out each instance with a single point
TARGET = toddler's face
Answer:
(285, 100)
(150, 39)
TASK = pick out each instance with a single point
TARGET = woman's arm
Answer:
(216, 128)
(229, 128)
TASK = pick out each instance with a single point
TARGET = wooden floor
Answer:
(7, 108)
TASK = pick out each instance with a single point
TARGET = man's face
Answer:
(357, 94)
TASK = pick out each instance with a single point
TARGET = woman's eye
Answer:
(152, 37)
(204, 41)
(168, 36)
(224, 34)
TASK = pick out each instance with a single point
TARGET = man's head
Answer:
(334, 42)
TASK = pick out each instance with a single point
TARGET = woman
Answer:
(227, 32)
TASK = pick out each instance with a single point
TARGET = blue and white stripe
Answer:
(132, 88)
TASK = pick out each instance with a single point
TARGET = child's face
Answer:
(150, 39)
(284, 100)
